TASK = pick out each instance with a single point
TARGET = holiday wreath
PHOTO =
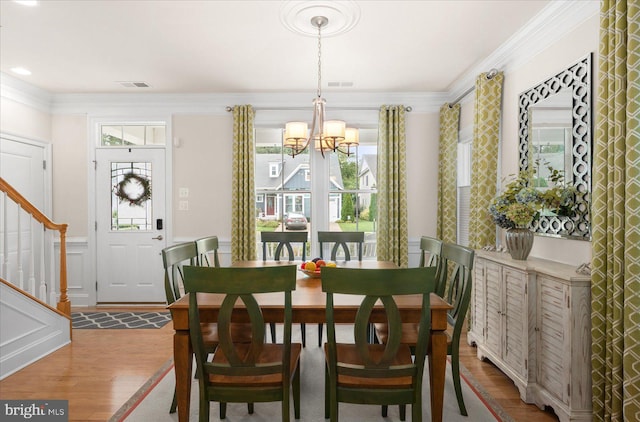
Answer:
(134, 189)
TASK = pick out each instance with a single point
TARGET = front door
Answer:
(130, 214)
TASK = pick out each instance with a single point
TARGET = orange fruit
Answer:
(320, 263)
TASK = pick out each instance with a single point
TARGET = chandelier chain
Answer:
(319, 60)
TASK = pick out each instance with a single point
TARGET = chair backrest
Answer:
(379, 286)
(340, 239)
(284, 240)
(208, 246)
(173, 258)
(460, 264)
(239, 284)
(433, 247)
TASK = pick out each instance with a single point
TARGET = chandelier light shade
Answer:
(327, 135)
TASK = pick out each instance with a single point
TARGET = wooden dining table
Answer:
(309, 307)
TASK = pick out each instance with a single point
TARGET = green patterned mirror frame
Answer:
(576, 81)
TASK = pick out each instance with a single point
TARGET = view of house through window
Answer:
(311, 193)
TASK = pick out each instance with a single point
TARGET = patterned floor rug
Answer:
(119, 320)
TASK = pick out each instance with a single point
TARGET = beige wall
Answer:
(422, 131)
(70, 189)
(22, 120)
(202, 163)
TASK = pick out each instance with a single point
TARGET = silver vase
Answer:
(519, 242)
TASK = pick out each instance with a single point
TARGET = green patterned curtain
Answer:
(243, 219)
(484, 160)
(447, 172)
(392, 241)
(615, 279)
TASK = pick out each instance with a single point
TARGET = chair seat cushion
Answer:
(348, 354)
(270, 353)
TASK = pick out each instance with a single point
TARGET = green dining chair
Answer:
(283, 241)
(208, 251)
(244, 372)
(173, 258)
(431, 256)
(370, 373)
(340, 240)
(458, 294)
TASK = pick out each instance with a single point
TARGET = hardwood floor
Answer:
(101, 369)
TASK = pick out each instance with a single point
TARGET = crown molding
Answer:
(553, 22)
(22, 92)
(217, 103)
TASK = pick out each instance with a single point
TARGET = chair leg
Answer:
(455, 372)
(273, 332)
(403, 412)
(303, 332)
(326, 393)
(204, 410)
(320, 334)
(250, 408)
(223, 410)
(174, 402)
(385, 410)
(296, 393)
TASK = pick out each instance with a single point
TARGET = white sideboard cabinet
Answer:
(532, 319)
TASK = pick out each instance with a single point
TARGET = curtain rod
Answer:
(490, 75)
(228, 108)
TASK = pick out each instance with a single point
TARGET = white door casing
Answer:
(129, 262)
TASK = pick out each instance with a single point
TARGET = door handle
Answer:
(158, 237)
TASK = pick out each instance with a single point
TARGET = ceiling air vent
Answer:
(339, 84)
(130, 84)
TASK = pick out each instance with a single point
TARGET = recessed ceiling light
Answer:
(29, 3)
(21, 71)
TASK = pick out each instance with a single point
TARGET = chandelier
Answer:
(327, 135)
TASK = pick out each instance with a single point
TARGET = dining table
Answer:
(309, 306)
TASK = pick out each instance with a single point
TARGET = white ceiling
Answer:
(242, 46)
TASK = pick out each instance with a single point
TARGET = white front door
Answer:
(130, 216)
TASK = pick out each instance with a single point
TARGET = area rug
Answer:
(152, 401)
(119, 320)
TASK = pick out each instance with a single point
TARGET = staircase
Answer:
(35, 308)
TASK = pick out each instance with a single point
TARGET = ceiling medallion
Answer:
(297, 16)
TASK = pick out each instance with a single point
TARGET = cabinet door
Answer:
(493, 295)
(478, 300)
(515, 320)
(551, 354)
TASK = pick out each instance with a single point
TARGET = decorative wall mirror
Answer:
(555, 129)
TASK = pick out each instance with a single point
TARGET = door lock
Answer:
(158, 237)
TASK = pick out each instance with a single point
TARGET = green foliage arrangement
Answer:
(521, 203)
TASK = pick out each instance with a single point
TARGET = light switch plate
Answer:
(183, 206)
(183, 192)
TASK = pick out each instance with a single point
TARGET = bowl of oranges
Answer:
(314, 267)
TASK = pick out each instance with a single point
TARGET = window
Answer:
(274, 169)
(464, 190)
(345, 201)
(133, 135)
